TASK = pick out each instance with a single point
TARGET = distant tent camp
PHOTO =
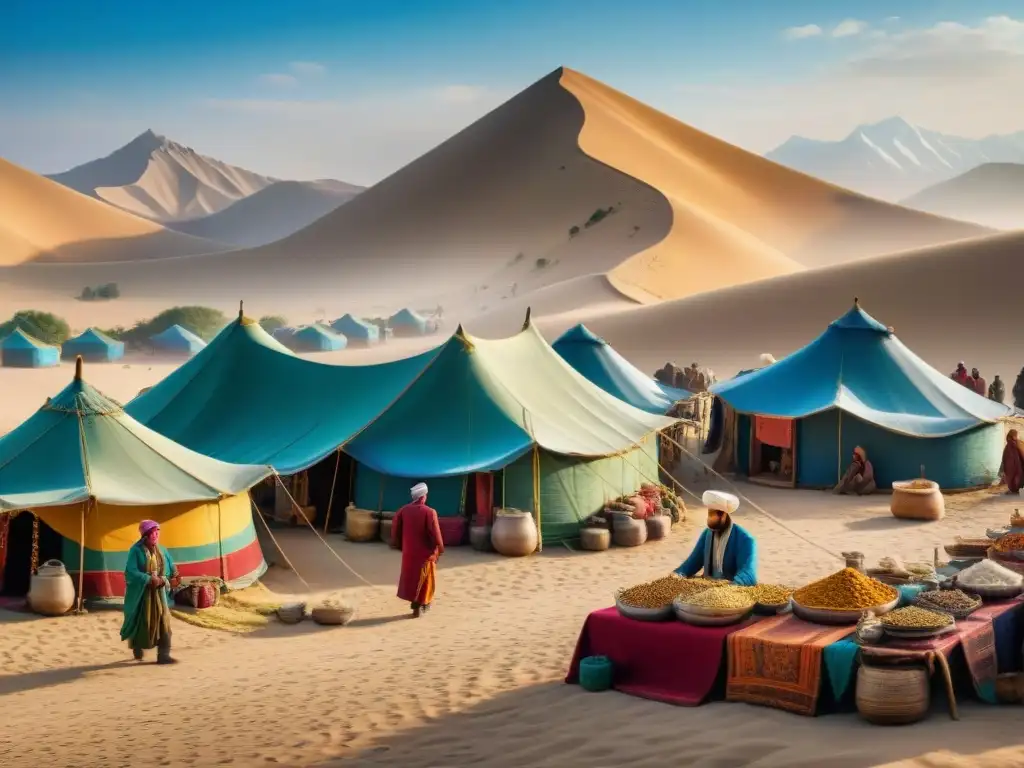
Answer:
(600, 364)
(93, 346)
(405, 322)
(81, 464)
(316, 338)
(19, 350)
(858, 385)
(358, 331)
(178, 341)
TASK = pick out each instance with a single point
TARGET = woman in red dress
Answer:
(417, 532)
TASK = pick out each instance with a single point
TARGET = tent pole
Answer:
(81, 559)
(330, 499)
(839, 448)
(536, 495)
(220, 527)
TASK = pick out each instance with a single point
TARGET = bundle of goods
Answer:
(718, 606)
(199, 592)
(594, 535)
(990, 580)
(869, 628)
(770, 598)
(333, 612)
(1011, 544)
(652, 600)
(967, 549)
(596, 521)
(914, 622)
(893, 571)
(842, 597)
(658, 527)
(955, 602)
(291, 613)
(628, 531)
(361, 524)
(652, 495)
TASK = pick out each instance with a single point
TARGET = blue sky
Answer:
(353, 90)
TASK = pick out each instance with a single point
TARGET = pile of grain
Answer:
(913, 617)
(661, 592)
(726, 598)
(845, 590)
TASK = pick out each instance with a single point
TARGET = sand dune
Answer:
(40, 220)
(159, 179)
(991, 194)
(945, 303)
(272, 213)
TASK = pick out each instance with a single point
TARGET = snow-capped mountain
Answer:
(893, 159)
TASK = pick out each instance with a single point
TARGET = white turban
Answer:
(418, 491)
(723, 502)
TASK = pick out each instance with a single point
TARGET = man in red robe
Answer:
(1012, 467)
(417, 532)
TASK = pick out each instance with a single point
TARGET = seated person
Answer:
(724, 549)
(859, 477)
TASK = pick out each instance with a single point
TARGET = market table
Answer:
(666, 661)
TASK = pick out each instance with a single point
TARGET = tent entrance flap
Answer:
(18, 560)
(773, 451)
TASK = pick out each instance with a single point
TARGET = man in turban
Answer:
(724, 550)
(149, 577)
(417, 532)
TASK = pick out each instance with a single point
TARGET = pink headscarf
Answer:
(146, 526)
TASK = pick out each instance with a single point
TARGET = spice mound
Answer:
(845, 590)
(726, 598)
(949, 599)
(770, 594)
(913, 617)
(661, 592)
(1010, 542)
(988, 573)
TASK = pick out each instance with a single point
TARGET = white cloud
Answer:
(801, 33)
(307, 68)
(459, 94)
(849, 28)
(278, 78)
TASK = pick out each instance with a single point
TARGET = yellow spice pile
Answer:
(845, 590)
(770, 594)
(723, 597)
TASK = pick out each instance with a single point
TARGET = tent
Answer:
(247, 399)
(177, 340)
(858, 385)
(93, 346)
(405, 322)
(87, 469)
(600, 364)
(316, 338)
(563, 445)
(19, 350)
(359, 332)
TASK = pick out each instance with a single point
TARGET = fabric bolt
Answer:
(859, 366)
(778, 663)
(840, 660)
(774, 431)
(599, 363)
(670, 662)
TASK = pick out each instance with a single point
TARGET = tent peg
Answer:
(78, 367)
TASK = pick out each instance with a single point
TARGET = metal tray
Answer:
(827, 616)
(768, 609)
(917, 634)
(991, 593)
(643, 614)
(699, 610)
(710, 621)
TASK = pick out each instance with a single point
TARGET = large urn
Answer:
(52, 592)
(514, 533)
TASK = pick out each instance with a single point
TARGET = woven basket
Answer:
(595, 539)
(292, 613)
(1010, 688)
(923, 602)
(893, 695)
(333, 616)
(658, 527)
(198, 595)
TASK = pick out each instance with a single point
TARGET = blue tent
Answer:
(858, 385)
(598, 362)
(93, 346)
(405, 322)
(358, 331)
(178, 341)
(315, 338)
(19, 350)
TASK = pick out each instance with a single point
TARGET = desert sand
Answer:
(991, 194)
(44, 221)
(475, 682)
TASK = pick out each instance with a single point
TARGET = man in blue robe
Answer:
(724, 550)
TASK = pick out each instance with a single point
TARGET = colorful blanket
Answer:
(778, 662)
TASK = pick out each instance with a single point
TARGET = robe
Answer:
(739, 565)
(980, 386)
(147, 609)
(1012, 467)
(417, 532)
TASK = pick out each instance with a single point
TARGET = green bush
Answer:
(100, 292)
(271, 323)
(541, 263)
(45, 326)
(573, 231)
(204, 322)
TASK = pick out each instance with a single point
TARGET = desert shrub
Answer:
(204, 322)
(271, 323)
(542, 262)
(45, 326)
(100, 292)
(573, 231)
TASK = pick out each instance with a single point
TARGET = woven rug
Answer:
(778, 662)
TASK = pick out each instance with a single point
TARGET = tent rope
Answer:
(259, 514)
(330, 499)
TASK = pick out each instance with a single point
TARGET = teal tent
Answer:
(93, 346)
(359, 332)
(316, 338)
(19, 350)
(405, 322)
(247, 399)
(178, 341)
(599, 363)
(858, 385)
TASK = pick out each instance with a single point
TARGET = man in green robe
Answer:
(148, 578)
